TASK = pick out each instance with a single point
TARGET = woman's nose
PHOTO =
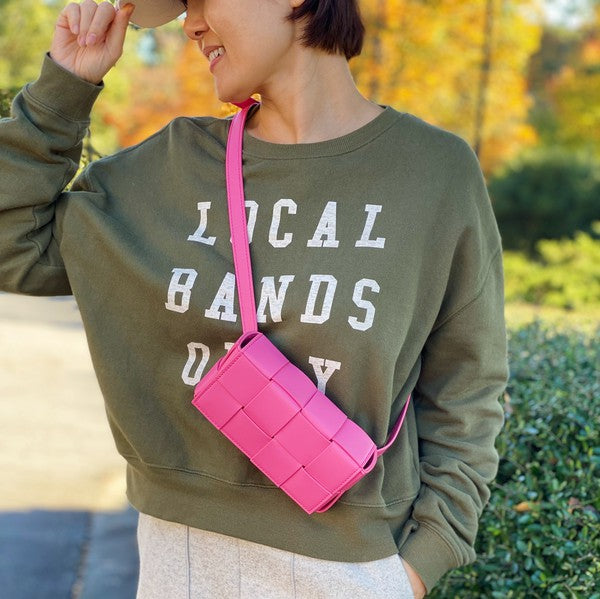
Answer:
(194, 25)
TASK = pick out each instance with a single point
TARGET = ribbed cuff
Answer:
(429, 555)
(63, 92)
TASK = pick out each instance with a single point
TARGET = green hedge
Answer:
(545, 194)
(539, 535)
(566, 274)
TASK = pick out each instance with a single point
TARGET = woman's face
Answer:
(256, 42)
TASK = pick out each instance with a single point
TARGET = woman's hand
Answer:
(89, 37)
(418, 588)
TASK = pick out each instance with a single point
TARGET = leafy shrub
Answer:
(547, 194)
(566, 274)
(539, 535)
(6, 97)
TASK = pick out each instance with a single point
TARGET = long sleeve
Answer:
(464, 370)
(40, 150)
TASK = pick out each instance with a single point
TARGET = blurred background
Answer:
(520, 81)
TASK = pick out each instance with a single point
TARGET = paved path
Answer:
(68, 555)
(65, 528)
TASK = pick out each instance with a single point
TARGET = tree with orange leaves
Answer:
(427, 58)
(178, 85)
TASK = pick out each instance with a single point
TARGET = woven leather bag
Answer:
(269, 408)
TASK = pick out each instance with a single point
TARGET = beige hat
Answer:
(152, 13)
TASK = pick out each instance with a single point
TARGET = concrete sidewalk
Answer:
(68, 555)
(65, 527)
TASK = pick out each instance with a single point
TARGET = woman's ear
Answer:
(296, 3)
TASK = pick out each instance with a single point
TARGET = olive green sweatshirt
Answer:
(378, 271)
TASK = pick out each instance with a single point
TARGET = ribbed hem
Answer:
(63, 92)
(331, 147)
(264, 514)
(429, 554)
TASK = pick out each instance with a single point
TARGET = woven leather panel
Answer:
(292, 432)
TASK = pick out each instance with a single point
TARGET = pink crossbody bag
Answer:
(268, 407)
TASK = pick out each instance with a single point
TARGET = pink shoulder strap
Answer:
(237, 219)
(239, 238)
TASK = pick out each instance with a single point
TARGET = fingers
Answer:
(116, 35)
(90, 21)
(71, 12)
(89, 37)
(87, 10)
(95, 21)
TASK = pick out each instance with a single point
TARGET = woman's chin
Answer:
(230, 95)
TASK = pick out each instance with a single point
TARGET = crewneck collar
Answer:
(331, 147)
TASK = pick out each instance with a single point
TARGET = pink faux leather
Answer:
(268, 407)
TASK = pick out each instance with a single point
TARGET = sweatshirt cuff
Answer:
(429, 555)
(63, 92)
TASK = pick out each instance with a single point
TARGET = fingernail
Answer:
(81, 41)
(91, 39)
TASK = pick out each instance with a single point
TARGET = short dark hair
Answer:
(332, 25)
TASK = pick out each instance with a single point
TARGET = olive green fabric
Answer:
(378, 271)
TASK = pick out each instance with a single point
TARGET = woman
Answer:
(380, 270)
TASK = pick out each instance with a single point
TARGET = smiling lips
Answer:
(216, 52)
(213, 53)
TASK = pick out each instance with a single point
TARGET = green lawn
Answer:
(586, 321)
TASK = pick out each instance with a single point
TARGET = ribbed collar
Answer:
(331, 147)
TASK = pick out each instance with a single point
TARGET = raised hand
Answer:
(89, 37)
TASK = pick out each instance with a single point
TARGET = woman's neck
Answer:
(316, 100)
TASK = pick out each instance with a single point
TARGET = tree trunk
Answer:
(484, 76)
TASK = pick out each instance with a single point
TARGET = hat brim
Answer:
(152, 13)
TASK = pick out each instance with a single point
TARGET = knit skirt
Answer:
(180, 562)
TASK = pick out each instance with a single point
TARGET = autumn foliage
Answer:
(162, 92)
(575, 93)
(459, 65)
